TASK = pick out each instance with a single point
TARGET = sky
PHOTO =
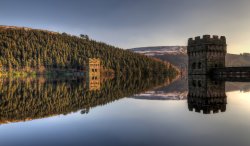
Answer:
(136, 23)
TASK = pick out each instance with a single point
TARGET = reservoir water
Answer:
(124, 112)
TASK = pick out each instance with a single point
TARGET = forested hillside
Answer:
(22, 48)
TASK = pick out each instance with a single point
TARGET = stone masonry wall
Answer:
(205, 54)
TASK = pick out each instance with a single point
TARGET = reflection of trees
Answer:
(38, 98)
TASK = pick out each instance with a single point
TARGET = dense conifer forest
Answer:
(25, 49)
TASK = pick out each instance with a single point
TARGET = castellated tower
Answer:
(205, 54)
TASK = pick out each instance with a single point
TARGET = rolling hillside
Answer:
(177, 55)
(24, 48)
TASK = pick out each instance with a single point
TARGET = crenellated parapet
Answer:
(207, 105)
(207, 43)
(207, 39)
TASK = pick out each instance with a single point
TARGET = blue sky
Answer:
(136, 23)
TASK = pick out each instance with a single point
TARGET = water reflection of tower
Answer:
(206, 95)
(93, 74)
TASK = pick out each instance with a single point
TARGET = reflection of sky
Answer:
(138, 122)
(241, 101)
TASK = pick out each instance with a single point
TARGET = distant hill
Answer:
(161, 50)
(238, 60)
(177, 55)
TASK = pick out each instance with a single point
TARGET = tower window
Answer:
(194, 83)
(194, 65)
(199, 65)
(199, 83)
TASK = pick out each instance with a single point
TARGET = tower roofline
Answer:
(207, 39)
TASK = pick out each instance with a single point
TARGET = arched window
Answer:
(216, 65)
(194, 65)
(199, 83)
(194, 83)
(199, 65)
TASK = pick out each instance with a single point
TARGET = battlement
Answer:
(94, 61)
(207, 39)
(207, 105)
(208, 109)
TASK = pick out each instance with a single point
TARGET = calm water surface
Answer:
(67, 112)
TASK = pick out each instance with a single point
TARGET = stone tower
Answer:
(206, 53)
(93, 74)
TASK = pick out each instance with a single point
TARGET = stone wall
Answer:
(94, 74)
(206, 53)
